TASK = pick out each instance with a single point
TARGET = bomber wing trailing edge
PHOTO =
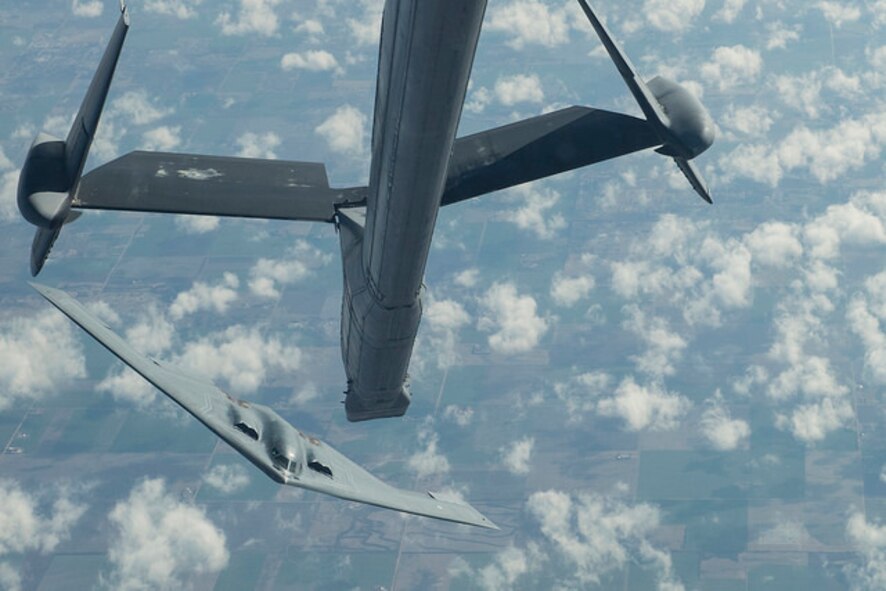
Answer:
(385, 228)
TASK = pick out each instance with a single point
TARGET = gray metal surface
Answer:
(214, 185)
(540, 147)
(427, 50)
(680, 121)
(52, 167)
(284, 453)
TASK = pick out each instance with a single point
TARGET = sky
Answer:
(641, 390)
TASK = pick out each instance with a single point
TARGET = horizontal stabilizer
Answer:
(273, 445)
(163, 182)
(540, 147)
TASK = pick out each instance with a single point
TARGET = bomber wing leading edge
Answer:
(278, 449)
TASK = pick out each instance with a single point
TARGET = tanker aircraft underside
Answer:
(427, 49)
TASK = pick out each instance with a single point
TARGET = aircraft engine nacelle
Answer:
(44, 187)
(689, 123)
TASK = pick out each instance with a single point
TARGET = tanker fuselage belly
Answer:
(427, 49)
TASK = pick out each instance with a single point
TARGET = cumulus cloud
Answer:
(774, 244)
(516, 456)
(136, 107)
(581, 393)
(255, 145)
(38, 355)
(530, 22)
(754, 120)
(203, 296)
(240, 356)
(31, 523)
(8, 190)
(867, 326)
(267, 276)
(814, 421)
(126, 385)
(444, 319)
(427, 461)
(163, 138)
(869, 537)
(367, 29)
(644, 407)
(312, 60)
(597, 535)
(856, 222)
(839, 13)
(719, 428)
(781, 34)
(5, 163)
(197, 224)
(467, 278)
(663, 346)
(344, 131)
(227, 479)
(181, 9)
(533, 214)
(520, 88)
(568, 291)
(159, 542)
(460, 415)
(152, 334)
(87, 8)
(827, 154)
(732, 66)
(253, 16)
(512, 318)
(673, 16)
(730, 10)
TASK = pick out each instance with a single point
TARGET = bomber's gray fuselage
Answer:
(427, 49)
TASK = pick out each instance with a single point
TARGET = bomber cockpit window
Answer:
(284, 462)
(246, 429)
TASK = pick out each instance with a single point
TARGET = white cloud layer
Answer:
(644, 407)
(530, 22)
(517, 455)
(253, 17)
(227, 479)
(39, 355)
(673, 16)
(344, 131)
(87, 8)
(181, 9)
(721, 430)
(314, 60)
(533, 214)
(597, 535)
(203, 296)
(258, 145)
(30, 524)
(268, 276)
(160, 542)
(240, 356)
(732, 66)
(520, 88)
(512, 318)
(428, 460)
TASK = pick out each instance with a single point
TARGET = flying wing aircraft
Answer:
(262, 436)
(426, 53)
